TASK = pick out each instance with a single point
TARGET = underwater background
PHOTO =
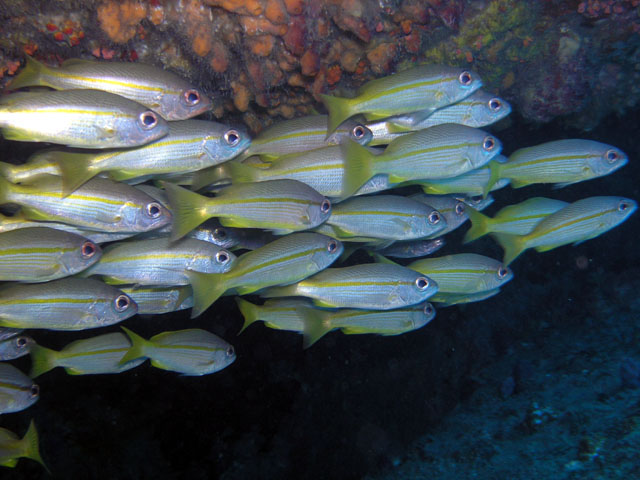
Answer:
(540, 381)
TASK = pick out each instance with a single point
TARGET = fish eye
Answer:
(434, 217)
(325, 206)
(465, 78)
(148, 120)
(459, 208)
(502, 272)
(428, 309)
(88, 249)
(495, 104)
(35, 390)
(232, 137)
(422, 283)
(154, 209)
(489, 143)
(220, 233)
(358, 132)
(121, 303)
(21, 342)
(611, 156)
(230, 352)
(332, 246)
(623, 206)
(192, 97)
(223, 257)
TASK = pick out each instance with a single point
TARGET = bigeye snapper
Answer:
(164, 92)
(424, 88)
(79, 118)
(13, 448)
(15, 347)
(17, 391)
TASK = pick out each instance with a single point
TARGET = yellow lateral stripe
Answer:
(150, 256)
(377, 212)
(536, 161)
(311, 168)
(224, 201)
(119, 83)
(45, 110)
(406, 86)
(34, 250)
(573, 222)
(287, 136)
(14, 386)
(188, 347)
(425, 151)
(355, 283)
(76, 196)
(34, 301)
(65, 355)
(277, 260)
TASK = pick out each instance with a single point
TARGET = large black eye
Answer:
(495, 104)
(358, 132)
(422, 283)
(121, 303)
(623, 206)
(220, 233)
(148, 120)
(325, 206)
(428, 310)
(88, 249)
(434, 217)
(502, 272)
(192, 97)
(222, 257)
(459, 208)
(22, 342)
(611, 156)
(154, 209)
(230, 352)
(489, 143)
(35, 390)
(232, 137)
(332, 246)
(465, 78)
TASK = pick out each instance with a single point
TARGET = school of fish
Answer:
(142, 209)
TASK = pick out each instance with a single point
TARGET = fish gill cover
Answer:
(545, 370)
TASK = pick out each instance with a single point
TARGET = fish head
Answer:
(28, 395)
(223, 357)
(83, 256)
(187, 102)
(119, 307)
(220, 262)
(498, 275)
(435, 222)
(606, 160)
(15, 347)
(227, 144)
(328, 251)
(621, 209)
(143, 127)
(462, 83)
(144, 215)
(318, 211)
(353, 130)
(415, 289)
(489, 109)
(484, 148)
(423, 315)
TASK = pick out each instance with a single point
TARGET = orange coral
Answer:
(260, 25)
(276, 12)
(381, 57)
(220, 58)
(261, 45)
(294, 7)
(309, 63)
(202, 41)
(243, 7)
(120, 19)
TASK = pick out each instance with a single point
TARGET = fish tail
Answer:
(207, 176)
(6, 171)
(207, 288)
(513, 245)
(359, 167)
(339, 110)
(5, 189)
(42, 360)
(286, 291)
(496, 171)
(31, 446)
(480, 225)
(249, 312)
(188, 209)
(138, 347)
(381, 258)
(75, 169)
(241, 173)
(316, 325)
(31, 75)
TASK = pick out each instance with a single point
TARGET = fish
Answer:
(423, 88)
(452, 209)
(100, 204)
(518, 219)
(318, 323)
(164, 92)
(159, 262)
(479, 109)
(577, 222)
(157, 300)
(191, 352)
(17, 391)
(412, 248)
(298, 135)
(286, 260)
(443, 151)
(41, 254)
(278, 313)
(79, 118)
(386, 217)
(283, 206)
(15, 347)
(560, 162)
(90, 356)
(368, 286)
(38, 164)
(190, 145)
(67, 304)
(13, 448)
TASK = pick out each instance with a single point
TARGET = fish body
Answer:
(518, 219)
(474, 182)
(368, 286)
(65, 304)
(164, 92)
(13, 448)
(160, 262)
(15, 347)
(100, 204)
(189, 352)
(96, 355)
(561, 162)
(412, 248)
(157, 300)
(79, 118)
(17, 391)
(575, 223)
(41, 254)
(283, 261)
(283, 206)
(38, 164)
(423, 88)
(280, 314)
